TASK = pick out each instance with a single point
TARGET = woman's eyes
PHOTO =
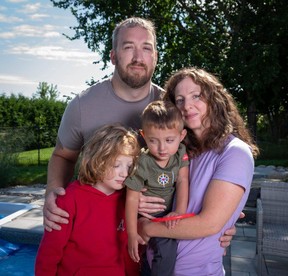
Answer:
(196, 97)
(193, 98)
(179, 101)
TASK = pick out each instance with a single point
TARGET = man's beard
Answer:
(134, 80)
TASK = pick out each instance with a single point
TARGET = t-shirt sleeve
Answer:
(183, 156)
(69, 132)
(236, 165)
(136, 182)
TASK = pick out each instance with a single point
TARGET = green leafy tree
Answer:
(243, 41)
(34, 121)
(256, 64)
(46, 91)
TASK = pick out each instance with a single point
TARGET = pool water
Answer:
(9, 211)
(17, 259)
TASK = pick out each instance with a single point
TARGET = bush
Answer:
(10, 145)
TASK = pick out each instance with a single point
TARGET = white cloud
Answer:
(35, 31)
(54, 53)
(38, 16)
(46, 31)
(31, 8)
(15, 80)
(16, 1)
(10, 19)
(7, 35)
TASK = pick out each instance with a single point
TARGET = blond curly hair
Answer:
(103, 148)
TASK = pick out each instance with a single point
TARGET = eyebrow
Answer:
(131, 42)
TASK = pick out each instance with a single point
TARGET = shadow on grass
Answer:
(24, 175)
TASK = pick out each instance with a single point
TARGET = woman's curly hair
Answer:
(222, 113)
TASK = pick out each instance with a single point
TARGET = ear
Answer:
(112, 56)
(156, 58)
(141, 132)
(183, 134)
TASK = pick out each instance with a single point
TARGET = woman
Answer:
(221, 170)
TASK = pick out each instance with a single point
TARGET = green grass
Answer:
(34, 157)
(273, 162)
(273, 151)
(31, 166)
(27, 175)
(273, 154)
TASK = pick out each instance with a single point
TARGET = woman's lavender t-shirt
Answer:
(236, 165)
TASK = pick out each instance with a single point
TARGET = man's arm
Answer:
(60, 171)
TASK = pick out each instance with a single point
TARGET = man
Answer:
(119, 99)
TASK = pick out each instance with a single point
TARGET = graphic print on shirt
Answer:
(121, 226)
(163, 179)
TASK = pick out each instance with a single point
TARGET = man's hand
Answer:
(149, 205)
(51, 213)
(226, 239)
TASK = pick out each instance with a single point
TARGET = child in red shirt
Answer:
(94, 242)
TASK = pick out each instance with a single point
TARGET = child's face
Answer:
(114, 179)
(163, 143)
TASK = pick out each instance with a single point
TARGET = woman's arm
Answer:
(220, 202)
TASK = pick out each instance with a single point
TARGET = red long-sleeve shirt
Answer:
(94, 242)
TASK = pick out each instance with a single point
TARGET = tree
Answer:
(231, 38)
(33, 121)
(46, 91)
(257, 61)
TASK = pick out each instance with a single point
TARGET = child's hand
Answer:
(170, 224)
(133, 243)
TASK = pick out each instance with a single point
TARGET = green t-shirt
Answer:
(159, 182)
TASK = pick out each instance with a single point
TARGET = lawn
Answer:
(34, 157)
(31, 166)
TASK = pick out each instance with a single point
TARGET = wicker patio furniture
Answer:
(272, 221)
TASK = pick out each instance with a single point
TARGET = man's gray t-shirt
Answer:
(98, 106)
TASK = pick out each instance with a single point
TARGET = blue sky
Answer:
(33, 49)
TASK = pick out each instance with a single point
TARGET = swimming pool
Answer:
(9, 211)
(17, 259)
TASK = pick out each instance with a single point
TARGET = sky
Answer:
(33, 49)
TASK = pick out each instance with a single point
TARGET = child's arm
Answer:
(50, 251)
(132, 201)
(182, 189)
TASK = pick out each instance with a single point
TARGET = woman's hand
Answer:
(51, 213)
